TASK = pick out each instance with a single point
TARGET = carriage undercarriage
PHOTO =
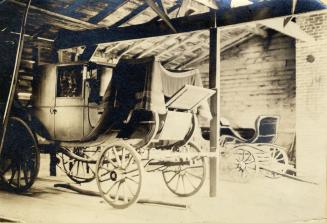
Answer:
(116, 155)
(118, 167)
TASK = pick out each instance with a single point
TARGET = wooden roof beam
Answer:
(258, 30)
(188, 51)
(130, 48)
(291, 29)
(223, 17)
(199, 57)
(132, 15)
(181, 43)
(107, 11)
(57, 15)
(162, 14)
(154, 47)
(111, 48)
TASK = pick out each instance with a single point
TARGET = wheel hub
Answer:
(113, 175)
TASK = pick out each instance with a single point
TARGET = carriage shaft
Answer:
(169, 163)
(185, 156)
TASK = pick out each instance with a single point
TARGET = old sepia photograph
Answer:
(163, 111)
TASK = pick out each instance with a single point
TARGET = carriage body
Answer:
(67, 99)
(71, 100)
(117, 118)
(245, 157)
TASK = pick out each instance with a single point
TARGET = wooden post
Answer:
(214, 83)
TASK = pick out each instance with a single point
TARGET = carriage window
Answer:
(69, 81)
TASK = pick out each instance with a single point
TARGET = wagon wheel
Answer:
(79, 171)
(241, 164)
(119, 175)
(278, 162)
(186, 179)
(20, 159)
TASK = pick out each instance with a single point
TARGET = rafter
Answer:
(130, 48)
(162, 14)
(199, 57)
(188, 51)
(224, 17)
(134, 13)
(57, 15)
(154, 47)
(184, 8)
(109, 49)
(231, 42)
(181, 43)
(169, 11)
(258, 30)
(107, 11)
(291, 29)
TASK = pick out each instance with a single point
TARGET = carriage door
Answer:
(69, 103)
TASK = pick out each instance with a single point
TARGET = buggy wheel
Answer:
(186, 179)
(241, 164)
(278, 161)
(20, 159)
(79, 171)
(119, 175)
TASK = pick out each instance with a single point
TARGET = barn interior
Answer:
(263, 58)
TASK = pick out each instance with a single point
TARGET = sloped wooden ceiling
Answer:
(47, 17)
(183, 51)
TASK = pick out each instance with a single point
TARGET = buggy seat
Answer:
(265, 132)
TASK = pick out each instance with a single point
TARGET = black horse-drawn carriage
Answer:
(109, 124)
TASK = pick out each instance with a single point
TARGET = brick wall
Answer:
(289, 79)
(311, 66)
(258, 78)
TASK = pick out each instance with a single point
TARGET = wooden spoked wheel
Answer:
(20, 158)
(187, 178)
(278, 161)
(241, 164)
(77, 170)
(119, 175)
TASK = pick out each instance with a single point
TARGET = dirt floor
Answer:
(262, 200)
